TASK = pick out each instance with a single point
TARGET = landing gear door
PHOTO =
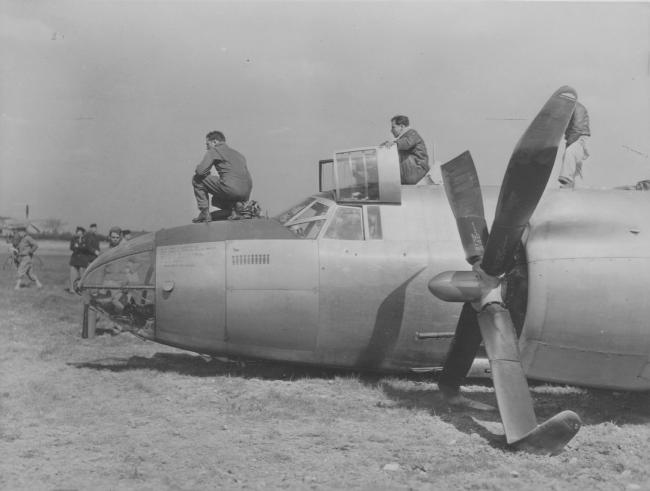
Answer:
(363, 175)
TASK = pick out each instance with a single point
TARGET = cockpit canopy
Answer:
(369, 175)
(352, 186)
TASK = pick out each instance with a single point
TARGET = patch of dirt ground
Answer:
(116, 412)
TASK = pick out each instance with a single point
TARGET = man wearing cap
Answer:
(230, 187)
(413, 156)
(90, 243)
(114, 237)
(25, 247)
(78, 260)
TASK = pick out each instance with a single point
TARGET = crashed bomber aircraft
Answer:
(343, 278)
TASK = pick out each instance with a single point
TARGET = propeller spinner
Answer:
(492, 255)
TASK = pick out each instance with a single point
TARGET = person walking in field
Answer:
(24, 248)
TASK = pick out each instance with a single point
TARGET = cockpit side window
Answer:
(374, 222)
(347, 224)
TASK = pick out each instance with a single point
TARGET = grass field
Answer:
(116, 412)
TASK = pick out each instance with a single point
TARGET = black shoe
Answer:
(204, 216)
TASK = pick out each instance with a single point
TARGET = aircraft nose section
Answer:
(120, 283)
(456, 286)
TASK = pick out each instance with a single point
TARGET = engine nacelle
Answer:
(588, 310)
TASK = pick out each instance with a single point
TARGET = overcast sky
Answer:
(105, 105)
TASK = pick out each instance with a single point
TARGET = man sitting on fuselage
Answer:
(413, 156)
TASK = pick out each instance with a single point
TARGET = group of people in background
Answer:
(84, 245)
(85, 249)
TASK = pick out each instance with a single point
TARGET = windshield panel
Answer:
(307, 218)
(307, 230)
(287, 215)
(317, 209)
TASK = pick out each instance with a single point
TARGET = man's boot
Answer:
(236, 212)
(204, 216)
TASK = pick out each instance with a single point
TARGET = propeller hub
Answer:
(457, 286)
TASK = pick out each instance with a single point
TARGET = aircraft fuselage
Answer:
(345, 285)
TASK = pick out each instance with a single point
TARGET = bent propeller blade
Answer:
(512, 392)
(525, 179)
(510, 384)
(464, 194)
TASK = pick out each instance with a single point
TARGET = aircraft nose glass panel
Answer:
(123, 289)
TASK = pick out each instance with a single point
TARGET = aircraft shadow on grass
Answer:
(594, 406)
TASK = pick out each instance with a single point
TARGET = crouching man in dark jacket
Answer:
(232, 185)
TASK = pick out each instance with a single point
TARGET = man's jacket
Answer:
(578, 125)
(413, 157)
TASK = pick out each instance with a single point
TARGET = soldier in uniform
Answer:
(231, 188)
(24, 247)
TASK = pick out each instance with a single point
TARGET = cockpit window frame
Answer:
(331, 222)
(369, 234)
(307, 202)
(298, 217)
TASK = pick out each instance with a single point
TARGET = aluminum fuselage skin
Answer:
(253, 289)
(346, 303)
